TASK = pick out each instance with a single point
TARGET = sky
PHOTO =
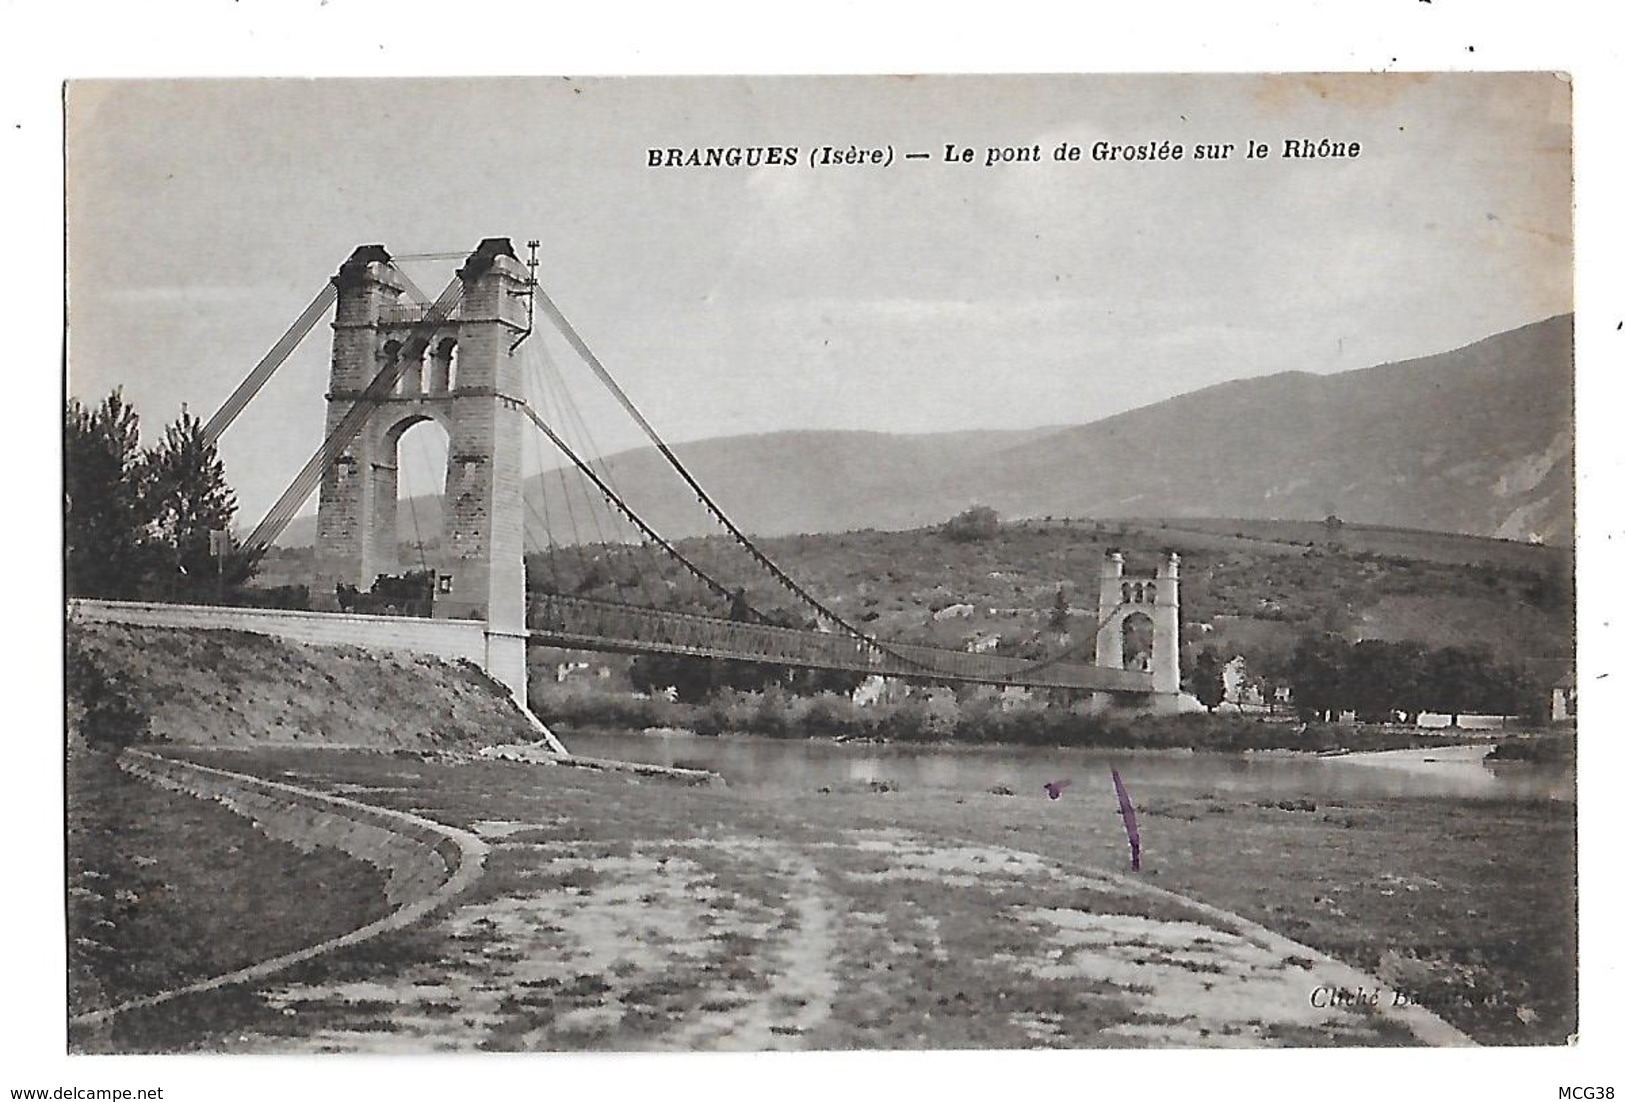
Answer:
(916, 297)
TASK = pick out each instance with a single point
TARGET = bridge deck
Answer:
(585, 624)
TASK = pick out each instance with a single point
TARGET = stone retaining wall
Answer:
(414, 860)
(427, 864)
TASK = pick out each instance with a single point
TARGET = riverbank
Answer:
(620, 912)
(945, 724)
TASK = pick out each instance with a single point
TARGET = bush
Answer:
(1546, 750)
(770, 714)
(830, 714)
(935, 716)
(100, 709)
(295, 597)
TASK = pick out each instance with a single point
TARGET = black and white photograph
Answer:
(827, 564)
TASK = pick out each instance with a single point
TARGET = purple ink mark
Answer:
(1126, 809)
(1054, 787)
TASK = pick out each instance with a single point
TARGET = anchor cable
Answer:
(275, 358)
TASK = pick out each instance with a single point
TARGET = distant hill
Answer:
(1478, 440)
(771, 484)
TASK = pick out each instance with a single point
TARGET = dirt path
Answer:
(800, 983)
(875, 938)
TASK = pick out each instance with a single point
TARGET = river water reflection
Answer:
(801, 765)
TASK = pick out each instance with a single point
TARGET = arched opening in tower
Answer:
(443, 366)
(412, 377)
(1137, 641)
(421, 446)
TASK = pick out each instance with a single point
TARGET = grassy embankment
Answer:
(236, 688)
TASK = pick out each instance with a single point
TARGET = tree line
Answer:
(140, 523)
(1378, 680)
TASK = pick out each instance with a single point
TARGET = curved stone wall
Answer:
(426, 864)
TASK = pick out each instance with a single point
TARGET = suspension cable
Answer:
(580, 346)
(545, 367)
(542, 395)
(432, 256)
(1094, 640)
(542, 517)
(570, 416)
(615, 499)
(591, 360)
(551, 387)
(279, 353)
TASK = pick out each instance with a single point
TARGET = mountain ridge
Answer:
(1476, 440)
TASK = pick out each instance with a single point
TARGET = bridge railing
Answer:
(999, 669)
(591, 624)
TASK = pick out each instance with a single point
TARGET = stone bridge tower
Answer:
(1130, 603)
(459, 373)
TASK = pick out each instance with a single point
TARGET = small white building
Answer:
(1565, 699)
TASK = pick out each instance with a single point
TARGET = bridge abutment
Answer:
(506, 660)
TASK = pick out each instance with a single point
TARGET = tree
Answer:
(813, 682)
(189, 499)
(1444, 682)
(693, 679)
(979, 522)
(1385, 678)
(137, 523)
(1207, 679)
(1268, 671)
(1459, 679)
(1334, 532)
(1521, 694)
(106, 521)
(1318, 671)
(100, 707)
(1060, 613)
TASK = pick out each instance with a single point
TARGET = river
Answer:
(798, 764)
